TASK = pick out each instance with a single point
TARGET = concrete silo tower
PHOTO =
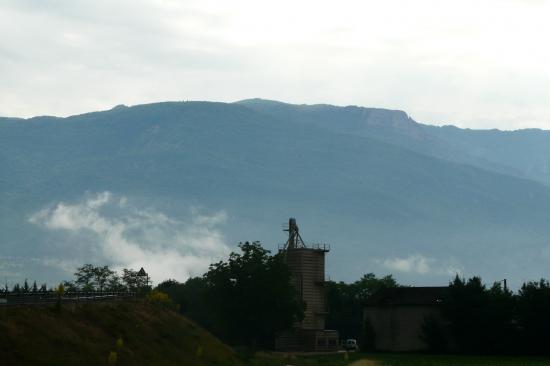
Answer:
(307, 265)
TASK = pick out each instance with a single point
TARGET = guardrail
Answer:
(50, 297)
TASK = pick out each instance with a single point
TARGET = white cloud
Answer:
(127, 237)
(412, 264)
(419, 264)
(476, 64)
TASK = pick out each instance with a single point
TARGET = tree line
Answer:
(91, 278)
(244, 300)
(478, 319)
(25, 288)
(247, 299)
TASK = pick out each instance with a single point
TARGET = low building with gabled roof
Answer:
(396, 316)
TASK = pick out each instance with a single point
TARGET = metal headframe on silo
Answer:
(294, 239)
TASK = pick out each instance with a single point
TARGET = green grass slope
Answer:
(86, 334)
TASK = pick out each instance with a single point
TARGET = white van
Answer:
(351, 345)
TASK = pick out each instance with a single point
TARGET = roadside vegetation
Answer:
(91, 278)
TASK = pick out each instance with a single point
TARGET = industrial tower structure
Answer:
(307, 265)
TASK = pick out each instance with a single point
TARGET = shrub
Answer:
(159, 298)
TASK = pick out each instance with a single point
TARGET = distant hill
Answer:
(389, 194)
(86, 334)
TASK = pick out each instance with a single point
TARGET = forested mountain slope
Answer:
(373, 183)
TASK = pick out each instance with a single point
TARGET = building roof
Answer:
(408, 296)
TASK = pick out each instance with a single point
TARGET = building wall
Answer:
(307, 340)
(308, 268)
(399, 328)
(320, 340)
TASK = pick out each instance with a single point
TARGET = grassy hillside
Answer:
(86, 334)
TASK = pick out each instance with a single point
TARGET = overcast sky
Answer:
(478, 64)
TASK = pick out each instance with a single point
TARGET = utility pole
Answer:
(504, 284)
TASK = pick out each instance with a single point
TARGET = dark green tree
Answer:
(101, 276)
(70, 286)
(114, 283)
(482, 320)
(96, 278)
(130, 279)
(191, 297)
(534, 316)
(346, 303)
(252, 296)
(84, 277)
(26, 288)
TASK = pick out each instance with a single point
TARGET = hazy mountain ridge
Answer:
(524, 153)
(375, 201)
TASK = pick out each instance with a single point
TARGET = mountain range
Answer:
(389, 194)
